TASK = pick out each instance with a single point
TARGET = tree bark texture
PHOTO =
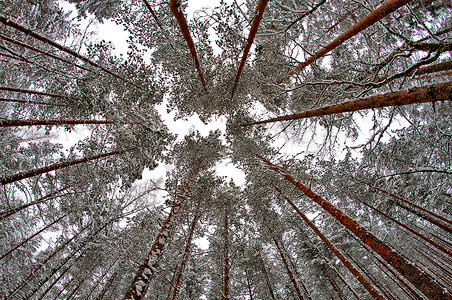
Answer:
(179, 15)
(289, 272)
(42, 52)
(140, 282)
(12, 211)
(381, 12)
(56, 166)
(185, 256)
(260, 8)
(430, 93)
(29, 32)
(365, 283)
(428, 286)
(32, 236)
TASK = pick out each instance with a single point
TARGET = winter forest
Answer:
(336, 113)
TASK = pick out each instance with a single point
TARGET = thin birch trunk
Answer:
(430, 93)
(260, 8)
(421, 281)
(138, 287)
(27, 174)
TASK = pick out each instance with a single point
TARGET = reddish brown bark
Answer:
(12, 211)
(18, 123)
(382, 11)
(185, 256)
(107, 286)
(31, 102)
(179, 15)
(365, 283)
(423, 213)
(430, 93)
(225, 295)
(53, 167)
(27, 280)
(289, 272)
(421, 281)
(260, 8)
(444, 66)
(434, 244)
(43, 39)
(32, 236)
(23, 91)
(138, 287)
(41, 51)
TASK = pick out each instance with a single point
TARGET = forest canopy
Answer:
(336, 113)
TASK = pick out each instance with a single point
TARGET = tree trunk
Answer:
(226, 254)
(76, 289)
(107, 286)
(32, 236)
(42, 52)
(32, 33)
(431, 93)
(102, 277)
(267, 279)
(13, 211)
(186, 255)
(56, 280)
(260, 8)
(27, 280)
(31, 102)
(248, 285)
(365, 283)
(434, 244)
(138, 287)
(31, 92)
(381, 12)
(421, 281)
(56, 166)
(179, 15)
(444, 66)
(289, 272)
(64, 288)
(18, 123)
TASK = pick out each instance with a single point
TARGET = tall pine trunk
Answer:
(365, 283)
(186, 255)
(107, 286)
(31, 102)
(56, 166)
(10, 212)
(428, 286)
(33, 34)
(31, 92)
(381, 12)
(138, 287)
(289, 272)
(19, 123)
(260, 8)
(226, 254)
(179, 15)
(430, 93)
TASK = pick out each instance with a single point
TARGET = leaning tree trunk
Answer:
(226, 254)
(33, 34)
(32, 236)
(430, 93)
(428, 286)
(31, 92)
(179, 15)
(107, 286)
(186, 255)
(384, 10)
(19, 123)
(267, 279)
(289, 272)
(56, 166)
(27, 280)
(260, 8)
(365, 283)
(12, 211)
(137, 289)
(31, 102)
